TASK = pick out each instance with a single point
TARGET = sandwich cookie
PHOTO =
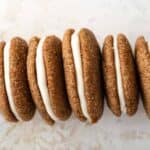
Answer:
(119, 75)
(81, 56)
(46, 78)
(142, 55)
(15, 98)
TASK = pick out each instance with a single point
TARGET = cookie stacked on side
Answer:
(120, 75)
(46, 78)
(15, 98)
(83, 74)
(60, 77)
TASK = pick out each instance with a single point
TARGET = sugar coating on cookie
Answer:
(42, 80)
(7, 80)
(75, 44)
(119, 79)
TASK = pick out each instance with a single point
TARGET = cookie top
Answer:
(81, 55)
(142, 57)
(50, 79)
(109, 73)
(128, 73)
(120, 75)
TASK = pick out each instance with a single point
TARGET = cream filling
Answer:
(42, 80)
(75, 44)
(119, 79)
(7, 81)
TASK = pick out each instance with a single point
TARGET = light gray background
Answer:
(42, 17)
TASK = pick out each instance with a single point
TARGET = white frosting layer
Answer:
(75, 44)
(7, 80)
(42, 80)
(119, 79)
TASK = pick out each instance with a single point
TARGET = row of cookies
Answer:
(58, 78)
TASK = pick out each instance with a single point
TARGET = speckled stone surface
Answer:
(27, 18)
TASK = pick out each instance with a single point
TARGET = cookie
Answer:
(142, 56)
(16, 102)
(120, 80)
(46, 78)
(82, 66)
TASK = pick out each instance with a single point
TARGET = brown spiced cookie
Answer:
(120, 75)
(16, 102)
(142, 54)
(46, 78)
(81, 57)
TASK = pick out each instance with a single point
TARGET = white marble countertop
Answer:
(39, 17)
